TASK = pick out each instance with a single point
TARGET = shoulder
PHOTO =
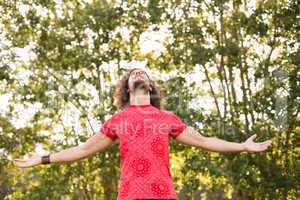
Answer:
(164, 111)
(173, 117)
(168, 113)
(116, 116)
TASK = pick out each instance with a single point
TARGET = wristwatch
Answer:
(46, 159)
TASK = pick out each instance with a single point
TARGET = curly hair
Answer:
(122, 96)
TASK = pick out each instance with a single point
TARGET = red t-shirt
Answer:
(144, 132)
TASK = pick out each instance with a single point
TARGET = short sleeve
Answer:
(109, 128)
(177, 126)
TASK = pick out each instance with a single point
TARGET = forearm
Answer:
(193, 138)
(219, 145)
(68, 155)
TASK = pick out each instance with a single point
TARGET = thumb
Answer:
(252, 137)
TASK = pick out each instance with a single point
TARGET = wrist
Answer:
(45, 159)
(244, 147)
(39, 160)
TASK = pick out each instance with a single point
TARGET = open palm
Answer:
(29, 162)
(251, 146)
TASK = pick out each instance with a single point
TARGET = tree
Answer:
(236, 62)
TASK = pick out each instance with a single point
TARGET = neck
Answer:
(139, 97)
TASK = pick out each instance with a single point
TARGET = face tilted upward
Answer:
(138, 78)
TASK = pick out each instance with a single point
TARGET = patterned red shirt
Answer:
(144, 132)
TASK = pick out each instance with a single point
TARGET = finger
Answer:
(259, 149)
(265, 145)
(253, 137)
(19, 163)
(22, 165)
(265, 142)
(20, 160)
(268, 142)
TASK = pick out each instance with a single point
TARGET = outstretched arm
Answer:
(97, 142)
(191, 137)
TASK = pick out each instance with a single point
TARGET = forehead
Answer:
(137, 70)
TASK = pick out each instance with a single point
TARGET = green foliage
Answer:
(249, 59)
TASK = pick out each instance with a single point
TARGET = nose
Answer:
(138, 77)
(138, 74)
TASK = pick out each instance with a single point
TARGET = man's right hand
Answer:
(96, 143)
(29, 162)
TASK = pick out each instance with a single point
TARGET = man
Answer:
(144, 130)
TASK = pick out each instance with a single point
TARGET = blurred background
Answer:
(228, 68)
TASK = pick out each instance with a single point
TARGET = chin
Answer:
(140, 84)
